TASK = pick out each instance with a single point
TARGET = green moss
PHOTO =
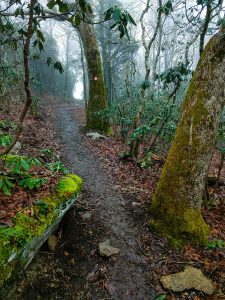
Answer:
(180, 228)
(69, 184)
(26, 228)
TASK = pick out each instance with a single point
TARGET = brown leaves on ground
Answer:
(38, 133)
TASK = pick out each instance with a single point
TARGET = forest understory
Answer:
(114, 205)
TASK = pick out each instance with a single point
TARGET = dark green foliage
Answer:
(57, 166)
(5, 140)
(6, 184)
(161, 297)
(43, 207)
(32, 182)
(158, 119)
(216, 244)
(121, 20)
(167, 8)
(58, 66)
(6, 125)
(146, 162)
(146, 84)
(175, 75)
(17, 169)
(20, 164)
(48, 153)
(221, 22)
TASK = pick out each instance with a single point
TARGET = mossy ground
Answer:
(14, 239)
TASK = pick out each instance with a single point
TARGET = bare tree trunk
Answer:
(205, 26)
(85, 83)
(26, 51)
(178, 197)
(65, 93)
(148, 45)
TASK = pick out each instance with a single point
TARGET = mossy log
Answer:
(19, 244)
(97, 99)
(177, 201)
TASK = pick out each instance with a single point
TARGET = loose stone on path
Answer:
(190, 278)
(106, 250)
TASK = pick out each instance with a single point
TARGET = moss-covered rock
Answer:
(19, 243)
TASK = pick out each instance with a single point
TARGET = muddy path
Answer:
(76, 270)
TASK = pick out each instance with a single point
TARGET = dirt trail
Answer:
(76, 271)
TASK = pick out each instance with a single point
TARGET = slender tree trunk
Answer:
(26, 51)
(85, 83)
(65, 94)
(97, 95)
(178, 197)
(205, 26)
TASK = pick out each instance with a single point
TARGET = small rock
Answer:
(72, 261)
(52, 243)
(16, 149)
(135, 204)
(91, 276)
(86, 216)
(188, 279)
(106, 250)
(95, 136)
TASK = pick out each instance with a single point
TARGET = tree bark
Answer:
(178, 197)
(97, 95)
(26, 52)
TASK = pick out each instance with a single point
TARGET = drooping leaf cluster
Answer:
(121, 20)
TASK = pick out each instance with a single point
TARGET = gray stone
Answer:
(86, 216)
(95, 136)
(52, 243)
(135, 204)
(106, 250)
(16, 149)
(91, 276)
(190, 278)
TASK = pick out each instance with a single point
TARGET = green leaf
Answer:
(40, 35)
(221, 22)
(58, 66)
(6, 190)
(51, 4)
(32, 182)
(40, 46)
(9, 182)
(131, 20)
(89, 8)
(113, 26)
(63, 7)
(49, 61)
(117, 15)
(77, 20)
(43, 207)
(161, 297)
(26, 166)
(83, 5)
(108, 14)
(167, 8)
